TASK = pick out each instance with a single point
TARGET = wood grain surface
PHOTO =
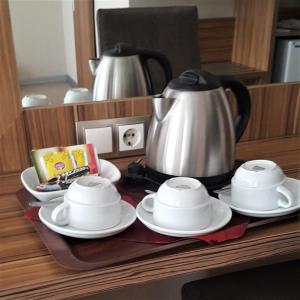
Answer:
(248, 75)
(284, 151)
(254, 33)
(84, 40)
(9, 183)
(13, 147)
(48, 127)
(275, 113)
(215, 37)
(139, 106)
(54, 126)
(27, 271)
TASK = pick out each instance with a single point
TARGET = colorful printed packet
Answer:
(52, 162)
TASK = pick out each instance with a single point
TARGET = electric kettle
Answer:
(192, 132)
(123, 72)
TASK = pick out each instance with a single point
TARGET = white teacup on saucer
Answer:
(35, 100)
(76, 95)
(91, 203)
(181, 203)
(258, 185)
(128, 217)
(291, 184)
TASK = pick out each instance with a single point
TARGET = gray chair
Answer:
(171, 30)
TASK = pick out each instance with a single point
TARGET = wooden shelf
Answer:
(233, 69)
(288, 34)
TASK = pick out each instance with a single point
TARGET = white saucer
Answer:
(292, 184)
(30, 180)
(221, 215)
(127, 218)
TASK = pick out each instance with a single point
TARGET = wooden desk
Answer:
(248, 75)
(28, 271)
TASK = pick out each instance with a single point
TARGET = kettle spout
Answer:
(161, 106)
(93, 65)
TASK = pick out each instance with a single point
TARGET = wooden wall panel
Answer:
(253, 35)
(95, 111)
(293, 126)
(13, 147)
(48, 127)
(275, 111)
(114, 109)
(84, 40)
(55, 126)
(281, 110)
(215, 39)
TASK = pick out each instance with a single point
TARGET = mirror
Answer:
(47, 55)
(43, 34)
(44, 38)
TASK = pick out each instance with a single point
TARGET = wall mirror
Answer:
(44, 40)
(49, 43)
(54, 39)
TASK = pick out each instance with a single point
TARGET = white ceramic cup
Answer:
(76, 95)
(258, 185)
(35, 100)
(181, 203)
(91, 203)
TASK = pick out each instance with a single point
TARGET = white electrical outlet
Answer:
(131, 137)
(120, 137)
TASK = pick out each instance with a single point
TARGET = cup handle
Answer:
(147, 203)
(289, 198)
(59, 214)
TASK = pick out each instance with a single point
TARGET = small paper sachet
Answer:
(57, 167)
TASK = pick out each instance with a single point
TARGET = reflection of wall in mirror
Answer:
(43, 33)
(207, 9)
(69, 38)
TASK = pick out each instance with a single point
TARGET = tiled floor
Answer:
(54, 91)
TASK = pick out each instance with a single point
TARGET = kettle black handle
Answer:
(243, 103)
(161, 59)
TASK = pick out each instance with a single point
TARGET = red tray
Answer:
(80, 254)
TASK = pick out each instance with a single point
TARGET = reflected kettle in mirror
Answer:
(123, 72)
(192, 132)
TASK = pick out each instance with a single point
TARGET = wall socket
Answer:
(128, 135)
(131, 137)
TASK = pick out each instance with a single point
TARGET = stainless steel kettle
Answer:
(123, 72)
(192, 131)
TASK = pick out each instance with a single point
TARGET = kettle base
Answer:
(211, 183)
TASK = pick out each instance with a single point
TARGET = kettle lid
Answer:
(195, 80)
(121, 49)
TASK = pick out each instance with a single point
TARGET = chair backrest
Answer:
(169, 30)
